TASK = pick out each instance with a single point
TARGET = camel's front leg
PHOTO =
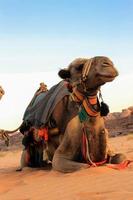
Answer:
(69, 148)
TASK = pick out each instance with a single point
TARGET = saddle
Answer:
(41, 107)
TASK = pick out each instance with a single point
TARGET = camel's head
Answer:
(93, 72)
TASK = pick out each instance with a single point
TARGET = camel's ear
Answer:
(64, 73)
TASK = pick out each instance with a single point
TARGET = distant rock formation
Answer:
(15, 142)
(120, 123)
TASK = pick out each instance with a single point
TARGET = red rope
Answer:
(97, 164)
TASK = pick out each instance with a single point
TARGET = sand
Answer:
(99, 183)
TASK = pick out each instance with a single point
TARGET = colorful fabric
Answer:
(83, 116)
(43, 132)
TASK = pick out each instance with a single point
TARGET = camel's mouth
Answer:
(107, 77)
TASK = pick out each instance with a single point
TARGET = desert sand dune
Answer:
(97, 183)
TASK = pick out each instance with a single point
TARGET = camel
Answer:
(5, 134)
(2, 92)
(86, 77)
(79, 137)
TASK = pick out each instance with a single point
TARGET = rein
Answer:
(86, 151)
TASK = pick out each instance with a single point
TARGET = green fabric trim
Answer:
(83, 116)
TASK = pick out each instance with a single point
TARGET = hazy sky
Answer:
(42, 35)
(45, 35)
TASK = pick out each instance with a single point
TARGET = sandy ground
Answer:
(99, 183)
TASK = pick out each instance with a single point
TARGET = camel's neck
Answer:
(90, 103)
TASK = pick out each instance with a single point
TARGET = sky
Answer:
(39, 37)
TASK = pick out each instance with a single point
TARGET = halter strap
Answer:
(86, 69)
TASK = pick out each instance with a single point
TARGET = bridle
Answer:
(82, 96)
(88, 102)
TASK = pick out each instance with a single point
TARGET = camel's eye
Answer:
(79, 67)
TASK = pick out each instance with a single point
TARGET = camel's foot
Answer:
(117, 158)
(19, 169)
